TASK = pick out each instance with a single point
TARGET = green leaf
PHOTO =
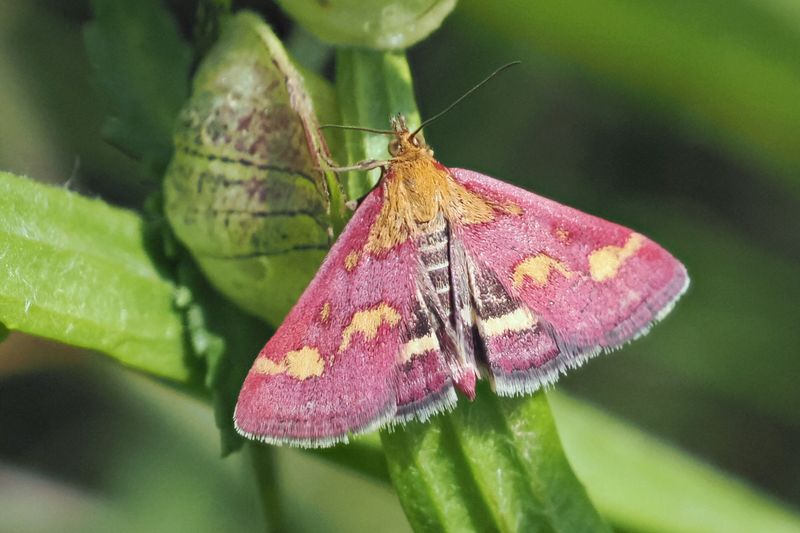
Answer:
(79, 271)
(141, 67)
(228, 339)
(728, 66)
(641, 484)
(364, 455)
(381, 24)
(207, 23)
(493, 464)
(638, 482)
(264, 465)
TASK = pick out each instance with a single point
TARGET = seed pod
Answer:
(244, 191)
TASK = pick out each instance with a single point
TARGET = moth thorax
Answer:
(434, 252)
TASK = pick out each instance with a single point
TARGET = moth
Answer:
(442, 277)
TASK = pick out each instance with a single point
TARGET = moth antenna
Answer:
(469, 92)
(357, 128)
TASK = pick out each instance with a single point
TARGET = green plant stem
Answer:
(492, 464)
(370, 88)
(263, 459)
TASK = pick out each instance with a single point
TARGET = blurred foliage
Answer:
(141, 67)
(729, 67)
(641, 484)
(679, 119)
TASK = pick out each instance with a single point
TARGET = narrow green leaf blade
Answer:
(78, 271)
(641, 484)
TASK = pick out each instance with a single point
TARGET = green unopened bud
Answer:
(244, 191)
(381, 24)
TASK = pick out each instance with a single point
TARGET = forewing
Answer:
(331, 367)
(590, 285)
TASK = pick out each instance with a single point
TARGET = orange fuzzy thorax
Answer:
(416, 189)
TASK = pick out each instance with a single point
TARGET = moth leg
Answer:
(325, 156)
(367, 164)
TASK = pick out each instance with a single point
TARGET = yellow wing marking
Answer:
(605, 262)
(519, 319)
(265, 365)
(304, 363)
(300, 364)
(367, 323)
(537, 268)
(351, 261)
(418, 346)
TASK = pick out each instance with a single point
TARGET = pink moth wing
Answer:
(335, 364)
(590, 285)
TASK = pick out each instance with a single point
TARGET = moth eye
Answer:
(395, 147)
(415, 141)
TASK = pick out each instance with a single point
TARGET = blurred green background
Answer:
(678, 118)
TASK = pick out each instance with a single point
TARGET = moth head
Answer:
(406, 143)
